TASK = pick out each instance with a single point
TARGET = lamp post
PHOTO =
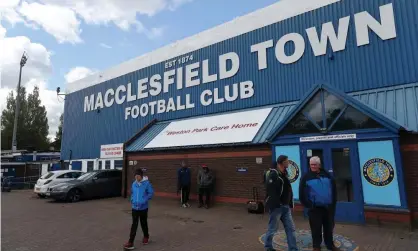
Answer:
(22, 63)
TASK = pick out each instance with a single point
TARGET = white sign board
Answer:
(111, 151)
(222, 129)
(328, 137)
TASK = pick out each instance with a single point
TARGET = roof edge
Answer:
(274, 13)
(139, 133)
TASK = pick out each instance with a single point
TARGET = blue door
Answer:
(76, 165)
(340, 159)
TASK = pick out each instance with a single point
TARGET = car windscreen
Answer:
(47, 176)
(86, 176)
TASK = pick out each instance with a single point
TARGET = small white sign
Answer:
(221, 129)
(309, 153)
(259, 160)
(111, 151)
(131, 163)
(328, 137)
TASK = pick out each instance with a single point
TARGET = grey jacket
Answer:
(205, 179)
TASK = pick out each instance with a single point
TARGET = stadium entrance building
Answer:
(328, 78)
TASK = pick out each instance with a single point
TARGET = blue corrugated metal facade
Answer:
(380, 64)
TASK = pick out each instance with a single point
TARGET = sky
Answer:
(66, 40)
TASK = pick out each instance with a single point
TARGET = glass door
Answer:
(340, 159)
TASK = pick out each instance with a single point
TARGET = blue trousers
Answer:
(284, 214)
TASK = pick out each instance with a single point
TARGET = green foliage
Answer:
(32, 127)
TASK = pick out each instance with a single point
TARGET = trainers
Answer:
(184, 205)
(145, 241)
(187, 205)
(129, 246)
(206, 206)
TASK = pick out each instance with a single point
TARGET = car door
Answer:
(115, 182)
(62, 178)
(100, 182)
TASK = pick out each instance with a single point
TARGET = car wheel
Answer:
(41, 196)
(74, 195)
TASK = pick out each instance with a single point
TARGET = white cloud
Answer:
(2, 31)
(60, 17)
(105, 46)
(58, 21)
(35, 72)
(155, 32)
(77, 73)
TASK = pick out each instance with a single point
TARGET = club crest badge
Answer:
(378, 172)
(293, 171)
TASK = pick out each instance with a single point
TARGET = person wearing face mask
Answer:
(205, 179)
(317, 193)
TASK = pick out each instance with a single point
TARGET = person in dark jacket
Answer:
(317, 193)
(183, 183)
(205, 179)
(141, 193)
(279, 203)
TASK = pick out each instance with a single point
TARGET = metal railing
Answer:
(23, 182)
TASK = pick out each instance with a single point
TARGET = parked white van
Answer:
(52, 178)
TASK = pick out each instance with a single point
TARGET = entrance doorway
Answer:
(340, 159)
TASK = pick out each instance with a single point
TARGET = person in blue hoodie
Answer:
(141, 193)
(183, 183)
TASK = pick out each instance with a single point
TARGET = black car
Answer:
(95, 184)
(6, 184)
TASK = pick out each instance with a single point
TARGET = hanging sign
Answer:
(111, 151)
(328, 137)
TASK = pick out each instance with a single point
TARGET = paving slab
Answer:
(29, 223)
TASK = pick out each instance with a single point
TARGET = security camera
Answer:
(58, 90)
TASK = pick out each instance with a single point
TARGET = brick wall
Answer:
(223, 161)
(409, 151)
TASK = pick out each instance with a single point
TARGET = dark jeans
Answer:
(204, 191)
(185, 192)
(142, 216)
(322, 219)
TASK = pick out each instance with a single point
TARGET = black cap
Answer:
(139, 172)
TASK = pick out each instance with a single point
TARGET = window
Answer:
(353, 119)
(102, 175)
(107, 164)
(118, 164)
(75, 175)
(90, 166)
(47, 176)
(326, 112)
(65, 176)
(100, 165)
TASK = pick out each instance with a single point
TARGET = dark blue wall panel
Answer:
(379, 64)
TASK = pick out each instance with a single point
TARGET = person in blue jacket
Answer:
(141, 193)
(318, 193)
(183, 183)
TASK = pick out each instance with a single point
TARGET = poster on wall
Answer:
(378, 173)
(221, 129)
(111, 151)
(294, 168)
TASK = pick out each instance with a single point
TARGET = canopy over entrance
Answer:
(326, 111)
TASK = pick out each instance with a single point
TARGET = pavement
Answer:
(29, 223)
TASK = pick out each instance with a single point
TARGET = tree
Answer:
(58, 134)
(32, 126)
(7, 121)
(37, 121)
